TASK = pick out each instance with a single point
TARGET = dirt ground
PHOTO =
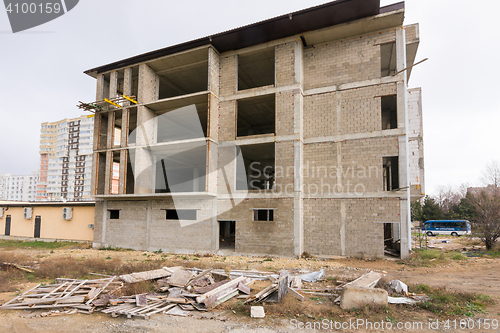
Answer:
(477, 275)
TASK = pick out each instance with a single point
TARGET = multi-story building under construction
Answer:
(296, 134)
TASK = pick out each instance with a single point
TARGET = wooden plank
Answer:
(20, 296)
(177, 300)
(141, 300)
(177, 311)
(262, 294)
(244, 288)
(202, 274)
(296, 282)
(180, 278)
(295, 294)
(145, 276)
(229, 285)
(103, 288)
(211, 287)
(283, 284)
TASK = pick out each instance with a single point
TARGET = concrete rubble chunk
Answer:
(257, 312)
(398, 286)
(357, 297)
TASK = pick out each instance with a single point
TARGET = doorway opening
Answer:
(227, 235)
(392, 241)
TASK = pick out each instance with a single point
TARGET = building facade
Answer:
(18, 188)
(48, 221)
(66, 160)
(297, 134)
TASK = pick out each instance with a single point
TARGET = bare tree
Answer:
(485, 203)
(449, 196)
(491, 174)
(486, 215)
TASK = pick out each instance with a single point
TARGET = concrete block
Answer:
(358, 298)
(257, 312)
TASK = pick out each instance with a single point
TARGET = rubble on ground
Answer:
(180, 291)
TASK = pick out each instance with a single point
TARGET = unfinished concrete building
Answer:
(296, 134)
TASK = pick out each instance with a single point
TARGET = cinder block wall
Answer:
(259, 237)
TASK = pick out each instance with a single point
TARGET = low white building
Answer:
(18, 188)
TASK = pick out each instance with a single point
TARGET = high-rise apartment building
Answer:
(18, 188)
(66, 160)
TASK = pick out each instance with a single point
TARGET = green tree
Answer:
(431, 210)
(462, 211)
(416, 211)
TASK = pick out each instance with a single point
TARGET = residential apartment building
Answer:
(18, 188)
(66, 160)
(296, 134)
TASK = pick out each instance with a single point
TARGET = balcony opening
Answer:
(256, 116)
(117, 129)
(258, 171)
(101, 173)
(180, 168)
(132, 125)
(389, 112)
(129, 187)
(387, 59)
(182, 74)
(115, 173)
(189, 122)
(391, 173)
(103, 130)
(256, 69)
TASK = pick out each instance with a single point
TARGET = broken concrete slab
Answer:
(257, 312)
(368, 280)
(357, 297)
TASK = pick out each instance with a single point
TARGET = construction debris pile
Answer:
(182, 290)
(179, 291)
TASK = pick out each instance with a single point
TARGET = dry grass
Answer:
(131, 289)
(61, 268)
(14, 258)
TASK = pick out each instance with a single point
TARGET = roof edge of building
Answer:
(309, 19)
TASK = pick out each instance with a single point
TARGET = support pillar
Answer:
(404, 158)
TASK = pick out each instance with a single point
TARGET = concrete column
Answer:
(95, 167)
(404, 158)
(113, 85)
(127, 90)
(213, 98)
(111, 130)
(211, 171)
(104, 220)
(298, 150)
(146, 130)
(122, 188)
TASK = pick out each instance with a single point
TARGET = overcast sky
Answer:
(41, 72)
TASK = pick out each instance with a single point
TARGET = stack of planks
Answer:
(66, 293)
